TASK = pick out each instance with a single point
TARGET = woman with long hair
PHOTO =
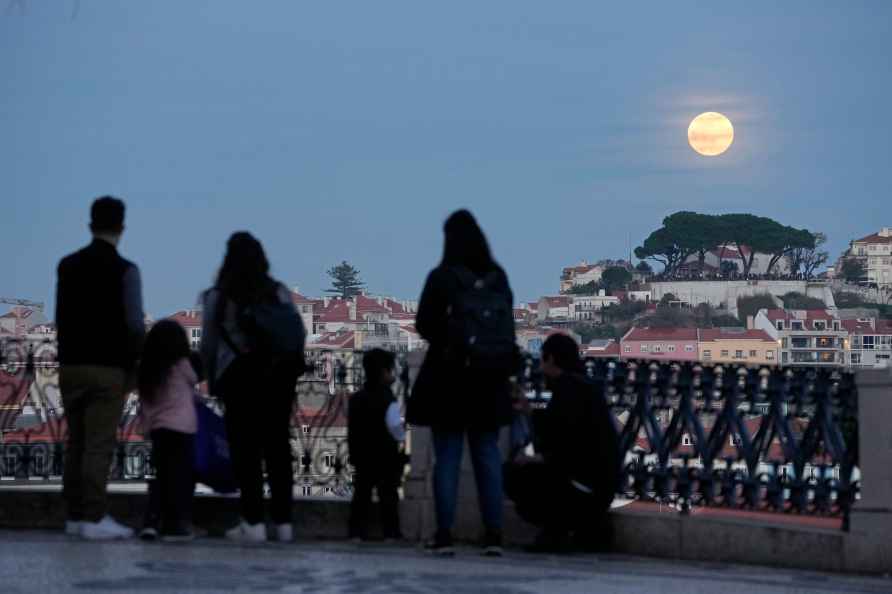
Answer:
(166, 391)
(257, 388)
(463, 388)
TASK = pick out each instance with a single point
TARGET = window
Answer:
(799, 342)
(824, 342)
(784, 357)
(734, 440)
(868, 342)
(753, 354)
(671, 348)
(819, 325)
(306, 490)
(769, 355)
(686, 440)
(305, 429)
(658, 348)
(327, 490)
(836, 325)
(780, 324)
(738, 355)
(329, 460)
(196, 332)
(724, 353)
(644, 348)
(689, 348)
(707, 354)
(797, 325)
(856, 358)
(627, 348)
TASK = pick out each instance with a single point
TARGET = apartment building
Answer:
(584, 273)
(870, 343)
(671, 344)
(875, 252)
(737, 345)
(805, 337)
(585, 308)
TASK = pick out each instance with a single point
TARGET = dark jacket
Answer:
(446, 396)
(368, 439)
(99, 317)
(577, 436)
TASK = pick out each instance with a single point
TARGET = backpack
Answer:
(480, 325)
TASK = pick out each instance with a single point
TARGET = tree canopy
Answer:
(345, 280)
(794, 300)
(853, 270)
(615, 277)
(687, 233)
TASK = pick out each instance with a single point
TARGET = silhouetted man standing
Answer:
(99, 318)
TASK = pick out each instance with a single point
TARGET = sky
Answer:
(349, 131)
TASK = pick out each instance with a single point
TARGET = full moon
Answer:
(710, 134)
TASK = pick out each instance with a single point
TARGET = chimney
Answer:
(886, 232)
(325, 301)
(352, 308)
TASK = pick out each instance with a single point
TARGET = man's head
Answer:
(378, 365)
(560, 354)
(107, 218)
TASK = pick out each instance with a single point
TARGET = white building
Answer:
(875, 252)
(585, 308)
(584, 273)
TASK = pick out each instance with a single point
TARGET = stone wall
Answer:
(724, 294)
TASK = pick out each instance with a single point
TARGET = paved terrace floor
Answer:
(39, 561)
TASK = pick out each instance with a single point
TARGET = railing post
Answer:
(867, 542)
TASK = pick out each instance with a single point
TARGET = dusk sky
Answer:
(338, 130)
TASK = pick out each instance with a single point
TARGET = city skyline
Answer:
(337, 136)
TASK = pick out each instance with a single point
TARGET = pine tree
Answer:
(345, 280)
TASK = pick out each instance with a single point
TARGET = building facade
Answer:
(736, 345)
(875, 253)
(671, 344)
(805, 337)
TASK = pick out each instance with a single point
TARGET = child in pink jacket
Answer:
(167, 391)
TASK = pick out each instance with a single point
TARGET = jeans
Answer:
(486, 460)
(259, 404)
(170, 494)
(93, 397)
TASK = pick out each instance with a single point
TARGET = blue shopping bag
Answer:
(213, 462)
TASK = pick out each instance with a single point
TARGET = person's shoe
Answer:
(492, 543)
(284, 532)
(185, 535)
(105, 529)
(73, 528)
(246, 532)
(441, 545)
(148, 533)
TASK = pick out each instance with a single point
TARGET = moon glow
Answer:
(710, 134)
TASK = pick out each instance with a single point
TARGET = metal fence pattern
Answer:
(768, 439)
(33, 429)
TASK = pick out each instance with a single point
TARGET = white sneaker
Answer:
(73, 528)
(105, 529)
(246, 532)
(284, 532)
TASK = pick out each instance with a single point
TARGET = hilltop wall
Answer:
(725, 293)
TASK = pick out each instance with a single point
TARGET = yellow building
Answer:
(732, 345)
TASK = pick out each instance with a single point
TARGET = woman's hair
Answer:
(465, 244)
(374, 363)
(244, 275)
(166, 344)
(564, 351)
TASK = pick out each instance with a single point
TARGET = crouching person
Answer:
(566, 488)
(167, 390)
(375, 434)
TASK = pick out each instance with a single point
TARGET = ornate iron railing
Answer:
(33, 430)
(769, 439)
